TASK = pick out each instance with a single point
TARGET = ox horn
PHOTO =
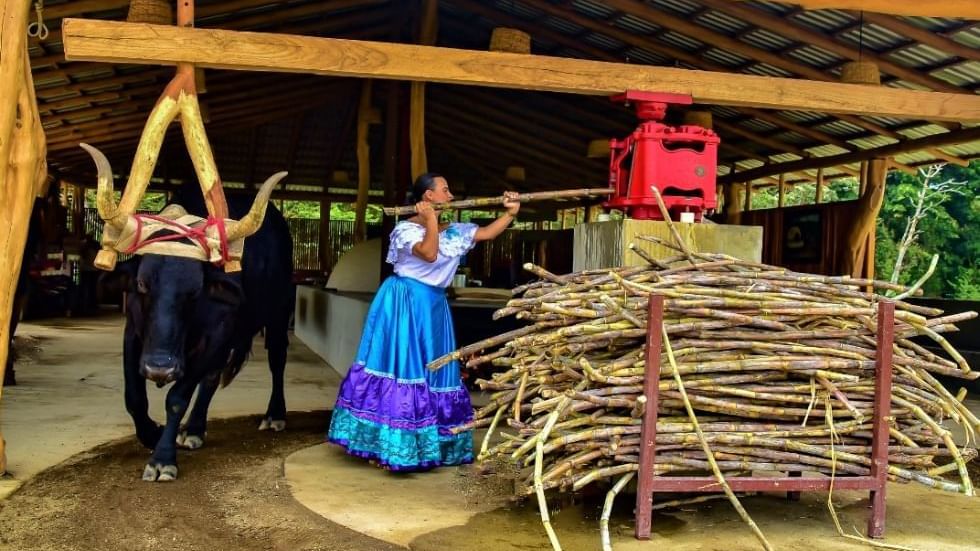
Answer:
(106, 200)
(251, 222)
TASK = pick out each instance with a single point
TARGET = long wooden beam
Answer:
(956, 9)
(936, 140)
(643, 42)
(119, 42)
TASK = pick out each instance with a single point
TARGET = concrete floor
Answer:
(70, 399)
(430, 512)
(69, 396)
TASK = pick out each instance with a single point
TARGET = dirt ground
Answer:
(231, 496)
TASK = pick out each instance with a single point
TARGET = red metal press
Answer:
(681, 161)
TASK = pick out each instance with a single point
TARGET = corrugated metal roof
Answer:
(636, 25)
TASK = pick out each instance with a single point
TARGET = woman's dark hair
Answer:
(422, 184)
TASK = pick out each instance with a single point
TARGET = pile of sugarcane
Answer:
(763, 369)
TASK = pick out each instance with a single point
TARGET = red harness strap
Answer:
(181, 231)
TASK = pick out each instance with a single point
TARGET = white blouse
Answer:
(454, 241)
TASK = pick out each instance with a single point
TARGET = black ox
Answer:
(190, 323)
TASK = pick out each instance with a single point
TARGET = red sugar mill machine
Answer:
(681, 161)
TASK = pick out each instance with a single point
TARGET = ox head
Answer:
(181, 310)
(180, 307)
(118, 215)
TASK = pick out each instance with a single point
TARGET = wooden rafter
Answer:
(936, 140)
(923, 36)
(796, 32)
(956, 9)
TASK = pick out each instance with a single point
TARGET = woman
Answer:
(391, 409)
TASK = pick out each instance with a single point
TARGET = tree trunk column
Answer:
(22, 152)
(859, 251)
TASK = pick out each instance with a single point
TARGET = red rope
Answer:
(181, 231)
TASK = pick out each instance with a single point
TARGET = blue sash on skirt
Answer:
(391, 408)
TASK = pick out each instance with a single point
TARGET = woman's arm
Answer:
(495, 228)
(428, 248)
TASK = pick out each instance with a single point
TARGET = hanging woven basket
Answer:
(157, 12)
(514, 174)
(504, 39)
(698, 118)
(860, 72)
(598, 149)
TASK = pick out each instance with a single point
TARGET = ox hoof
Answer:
(160, 473)
(190, 441)
(276, 425)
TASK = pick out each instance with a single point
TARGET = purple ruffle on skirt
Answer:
(408, 406)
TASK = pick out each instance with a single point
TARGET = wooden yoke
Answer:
(179, 98)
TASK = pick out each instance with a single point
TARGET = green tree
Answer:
(949, 230)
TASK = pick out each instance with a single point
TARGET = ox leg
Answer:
(192, 437)
(147, 431)
(276, 342)
(163, 465)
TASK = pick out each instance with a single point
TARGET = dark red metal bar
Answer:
(882, 411)
(648, 484)
(648, 433)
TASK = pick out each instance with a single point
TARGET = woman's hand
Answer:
(427, 214)
(511, 203)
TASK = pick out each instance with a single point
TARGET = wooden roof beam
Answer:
(646, 43)
(955, 9)
(135, 42)
(937, 140)
(358, 21)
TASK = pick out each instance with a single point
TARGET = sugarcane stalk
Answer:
(491, 201)
(704, 443)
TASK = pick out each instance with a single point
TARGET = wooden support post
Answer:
(22, 165)
(863, 178)
(416, 126)
(648, 431)
(881, 413)
(733, 204)
(748, 197)
(363, 163)
(858, 251)
(819, 197)
(395, 182)
(325, 253)
(782, 190)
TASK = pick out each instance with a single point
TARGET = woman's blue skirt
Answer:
(391, 408)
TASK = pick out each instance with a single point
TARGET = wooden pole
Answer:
(858, 251)
(819, 196)
(782, 190)
(325, 253)
(748, 197)
(416, 125)
(733, 206)
(22, 152)
(363, 163)
(863, 179)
